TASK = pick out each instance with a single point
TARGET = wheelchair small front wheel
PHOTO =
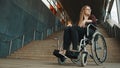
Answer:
(84, 58)
(77, 61)
(61, 61)
(99, 48)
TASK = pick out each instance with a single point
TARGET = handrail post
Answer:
(42, 36)
(34, 35)
(58, 42)
(23, 40)
(10, 47)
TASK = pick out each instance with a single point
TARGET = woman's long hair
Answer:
(82, 13)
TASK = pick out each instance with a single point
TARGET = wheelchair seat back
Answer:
(91, 29)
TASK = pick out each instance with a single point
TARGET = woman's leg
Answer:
(74, 38)
(70, 35)
(67, 38)
(81, 33)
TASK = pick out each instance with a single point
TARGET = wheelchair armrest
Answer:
(91, 26)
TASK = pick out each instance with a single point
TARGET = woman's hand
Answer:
(83, 24)
(69, 25)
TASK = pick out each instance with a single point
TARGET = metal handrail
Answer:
(10, 39)
(11, 42)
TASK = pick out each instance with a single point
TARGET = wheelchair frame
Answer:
(82, 59)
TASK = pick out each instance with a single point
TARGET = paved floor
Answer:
(23, 63)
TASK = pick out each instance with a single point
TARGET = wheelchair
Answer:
(98, 48)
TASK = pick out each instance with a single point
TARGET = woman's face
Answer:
(87, 11)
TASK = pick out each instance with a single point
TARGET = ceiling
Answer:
(73, 7)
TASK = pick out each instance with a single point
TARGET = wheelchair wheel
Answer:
(60, 62)
(84, 58)
(99, 48)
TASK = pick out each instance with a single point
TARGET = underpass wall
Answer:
(22, 21)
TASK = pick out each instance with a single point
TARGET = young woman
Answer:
(85, 18)
(74, 34)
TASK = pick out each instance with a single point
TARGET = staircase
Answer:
(42, 50)
(36, 50)
(113, 46)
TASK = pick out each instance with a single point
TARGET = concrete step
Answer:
(36, 50)
(41, 58)
(32, 54)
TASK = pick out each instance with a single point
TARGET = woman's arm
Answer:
(88, 21)
(93, 18)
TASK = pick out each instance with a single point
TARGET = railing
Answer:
(10, 42)
(112, 30)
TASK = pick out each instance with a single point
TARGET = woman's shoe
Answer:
(57, 54)
(62, 59)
